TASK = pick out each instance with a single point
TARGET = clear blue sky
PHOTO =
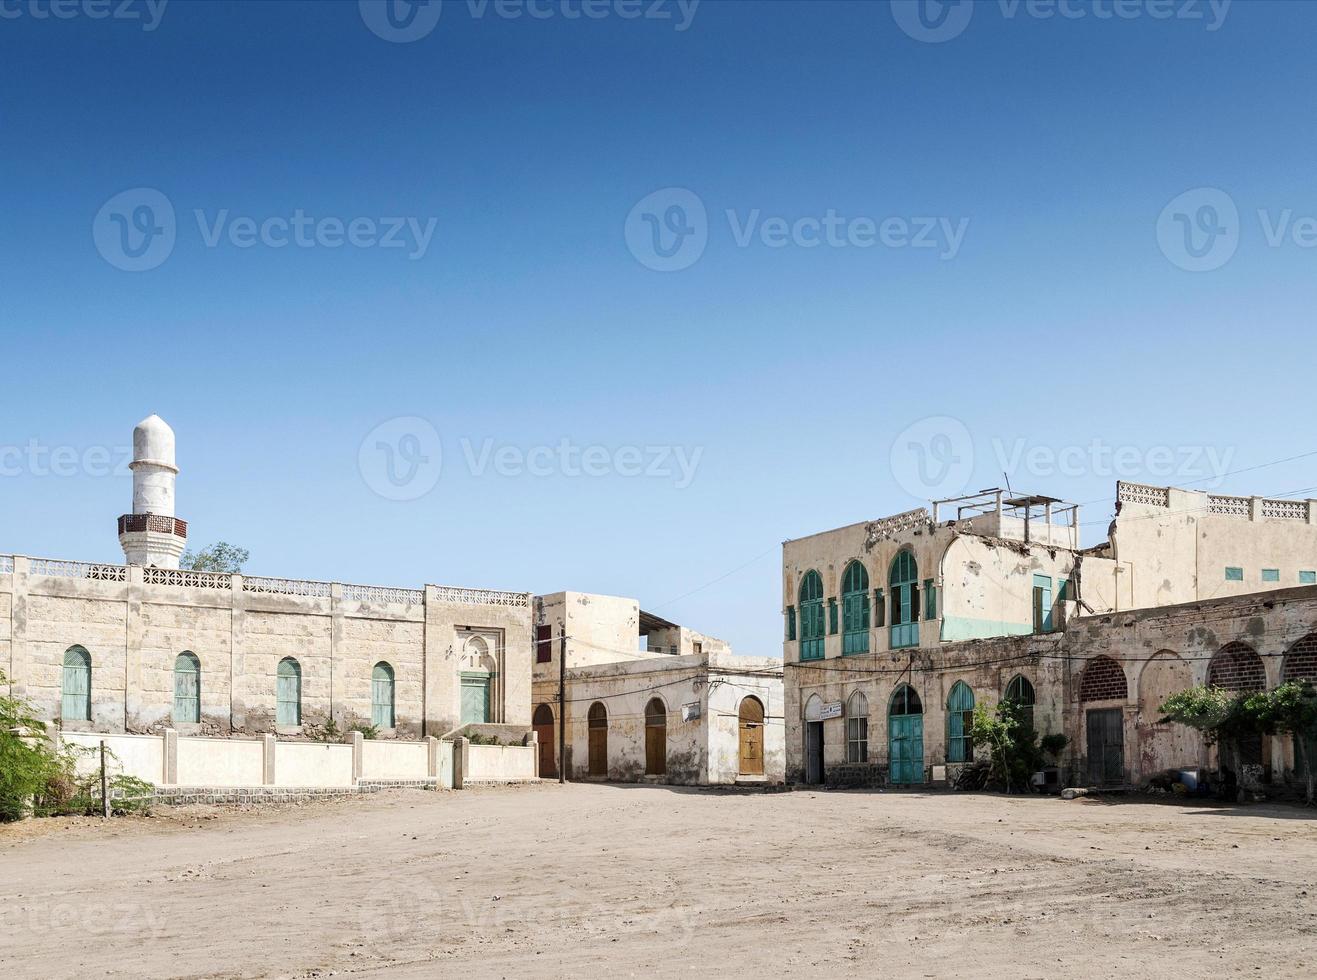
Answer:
(1059, 320)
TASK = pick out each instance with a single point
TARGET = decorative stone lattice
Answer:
(481, 597)
(1139, 493)
(380, 593)
(1285, 510)
(286, 586)
(79, 569)
(1103, 680)
(1228, 506)
(6, 565)
(1238, 668)
(890, 526)
(183, 578)
(1301, 661)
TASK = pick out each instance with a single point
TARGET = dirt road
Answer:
(638, 881)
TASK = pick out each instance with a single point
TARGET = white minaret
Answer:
(151, 534)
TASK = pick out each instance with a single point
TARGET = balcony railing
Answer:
(134, 523)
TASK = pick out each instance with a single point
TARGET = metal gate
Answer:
(1106, 747)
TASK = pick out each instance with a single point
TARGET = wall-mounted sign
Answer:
(690, 712)
(831, 709)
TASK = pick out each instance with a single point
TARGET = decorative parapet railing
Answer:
(383, 593)
(78, 569)
(6, 564)
(1140, 493)
(1229, 506)
(481, 597)
(889, 526)
(185, 578)
(1285, 510)
(285, 586)
(152, 522)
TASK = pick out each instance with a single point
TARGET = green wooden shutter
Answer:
(791, 622)
(288, 694)
(187, 689)
(75, 703)
(381, 696)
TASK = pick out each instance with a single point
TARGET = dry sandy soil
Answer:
(643, 880)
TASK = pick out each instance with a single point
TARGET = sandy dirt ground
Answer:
(644, 880)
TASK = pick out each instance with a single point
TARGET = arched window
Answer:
(381, 696)
(656, 738)
(855, 609)
(903, 585)
(1238, 668)
(288, 694)
(905, 702)
(1301, 661)
(857, 728)
(76, 702)
(960, 722)
(1020, 693)
(811, 616)
(1103, 680)
(187, 688)
(598, 745)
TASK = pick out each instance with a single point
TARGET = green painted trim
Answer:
(478, 675)
(967, 628)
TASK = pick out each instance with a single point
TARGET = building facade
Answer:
(895, 629)
(647, 700)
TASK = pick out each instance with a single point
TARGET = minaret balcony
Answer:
(133, 523)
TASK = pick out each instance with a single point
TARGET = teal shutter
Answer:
(381, 696)
(475, 699)
(75, 703)
(855, 609)
(903, 580)
(812, 624)
(930, 600)
(1042, 590)
(187, 689)
(960, 722)
(288, 694)
(791, 622)
(832, 616)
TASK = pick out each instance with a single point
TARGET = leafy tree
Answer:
(1290, 709)
(218, 557)
(27, 760)
(1011, 742)
(1224, 719)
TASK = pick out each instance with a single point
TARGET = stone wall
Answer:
(134, 623)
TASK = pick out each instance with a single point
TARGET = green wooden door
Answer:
(187, 688)
(906, 740)
(475, 699)
(75, 704)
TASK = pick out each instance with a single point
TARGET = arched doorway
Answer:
(751, 724)
(1104, 680)
(905, 737)
(656, 738)
(1166, 746)
(545, 733)
(598, 725)
(814, 740)
(1300, 665)
(1237, 668)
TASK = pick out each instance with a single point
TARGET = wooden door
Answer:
(656, 739)
(813, 752)
(598, 746)
(547, 735)
(906, 749)
(752, 737)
